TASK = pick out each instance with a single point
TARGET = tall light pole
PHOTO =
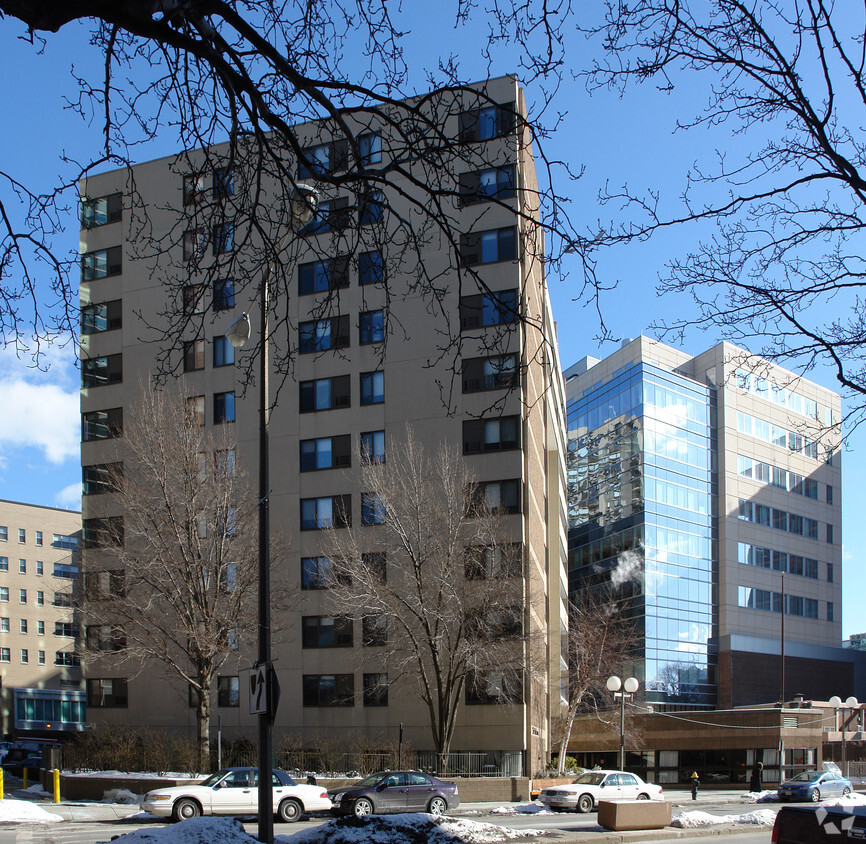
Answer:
(614, 684)
(850, 703)
(303, 202)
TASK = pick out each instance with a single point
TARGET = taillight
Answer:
(324, 795)
(775, 837)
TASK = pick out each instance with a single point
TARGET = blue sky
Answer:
(616, 139)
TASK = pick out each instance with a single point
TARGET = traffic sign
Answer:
(258, 690)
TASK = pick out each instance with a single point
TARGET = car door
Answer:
(419, 790)
(629, 786)
(234, 795)
(609, 788)
(391, 794)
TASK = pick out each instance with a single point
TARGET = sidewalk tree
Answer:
(435, 582)
(171, 584)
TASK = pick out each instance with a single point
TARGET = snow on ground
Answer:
(121, 795)
(22, 811)
(522, 809)
(853, 799)
(193, 831)
(691, 820)
(412, 828)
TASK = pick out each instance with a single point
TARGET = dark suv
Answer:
(811, 824)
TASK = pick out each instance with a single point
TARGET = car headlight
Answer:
(158, 797)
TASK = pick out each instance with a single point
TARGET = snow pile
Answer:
(121, 795)
(692, 820)
(413, 828)
(20, 811)
(853, 799)
(760, 797)
(522, 809)
(193, 831)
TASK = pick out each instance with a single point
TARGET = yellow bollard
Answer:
(1, 783)
(57, 785)
(24, 777)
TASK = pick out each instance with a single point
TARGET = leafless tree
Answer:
(782, 210)
(244, 76)
(601, 639)
(436, 583)
(171, 584)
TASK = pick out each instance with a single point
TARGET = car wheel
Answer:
(290, 811)
(584, 804)
(643, 796)
(186, 809)
(437, 806)
(814, 795)
(846, 790)
(362, 807)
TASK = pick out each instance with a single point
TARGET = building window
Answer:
(22, 596)
(106, 693)
(4, 625)
(371, 268)
(39, 538)
(223, 352)
(374, 631)
(67, 543)
(228, 691)
(372, 327)
(25, 656)
(323, 632)
(4, 594)
(325, 394)
(829, 611)
(317, 573)
(487, 309)
(494, 183)
(489, 247)
(66, 629)
(4, 533)
(5, 655)
(194, 244)
(193, 355)
(323, 159)
(104, 532)
(829, 494)
(321, 276)
(22, 536)
(376, 689)
(829, 572)
(4, 564)
(102, 316)
(22, 566)
(223, 294)
(373, 446)
(102, 424)
(490, 121)
(319, 335)
(41, 657)
(101, 210)
(496, 687)
(326, 453)
(370, 148)
(501, 495)
(193, 299)
(194, 188)
(481, 435)
(40, 599)
(329, 690)
(40, 628)
(22, 626)
(322, 513)
(331, 215)
(225, 462)
(372, 208)
(223, 407)
(65, 658)
(195, 410)
(96, 372)
(223, 238)
(372, 509)
(830, 534)
(101, 263)
(372, 387)
(223, 181)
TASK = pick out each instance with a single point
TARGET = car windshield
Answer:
(806, 776)
(213, 779)
(590, 778)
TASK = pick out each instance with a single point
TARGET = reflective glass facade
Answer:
(640, 473)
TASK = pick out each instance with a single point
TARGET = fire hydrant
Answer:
(695, 783)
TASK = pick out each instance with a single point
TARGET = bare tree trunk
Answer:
(202, 715)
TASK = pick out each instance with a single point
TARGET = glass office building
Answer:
(640, 493)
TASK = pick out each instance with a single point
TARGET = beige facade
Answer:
(42, 690)
(438, 387)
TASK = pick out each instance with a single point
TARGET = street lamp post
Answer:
(850, 703)
(303, 202)
(614, 684)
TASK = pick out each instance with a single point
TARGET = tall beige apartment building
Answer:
(40, 673)
(371, 352)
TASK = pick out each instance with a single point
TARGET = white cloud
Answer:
(40, 408)
(69, 496)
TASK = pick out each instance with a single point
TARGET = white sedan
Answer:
(234, 791)
(585, 792)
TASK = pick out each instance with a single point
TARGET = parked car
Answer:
(234, 791)
(813, 824)
(815, 786)
(395, 791)
(15, 767)
(585, 792)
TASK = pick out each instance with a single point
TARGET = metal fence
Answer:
(502, 763)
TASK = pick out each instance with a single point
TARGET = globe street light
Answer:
(302, 204)
(614, 684)
(850, 703)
